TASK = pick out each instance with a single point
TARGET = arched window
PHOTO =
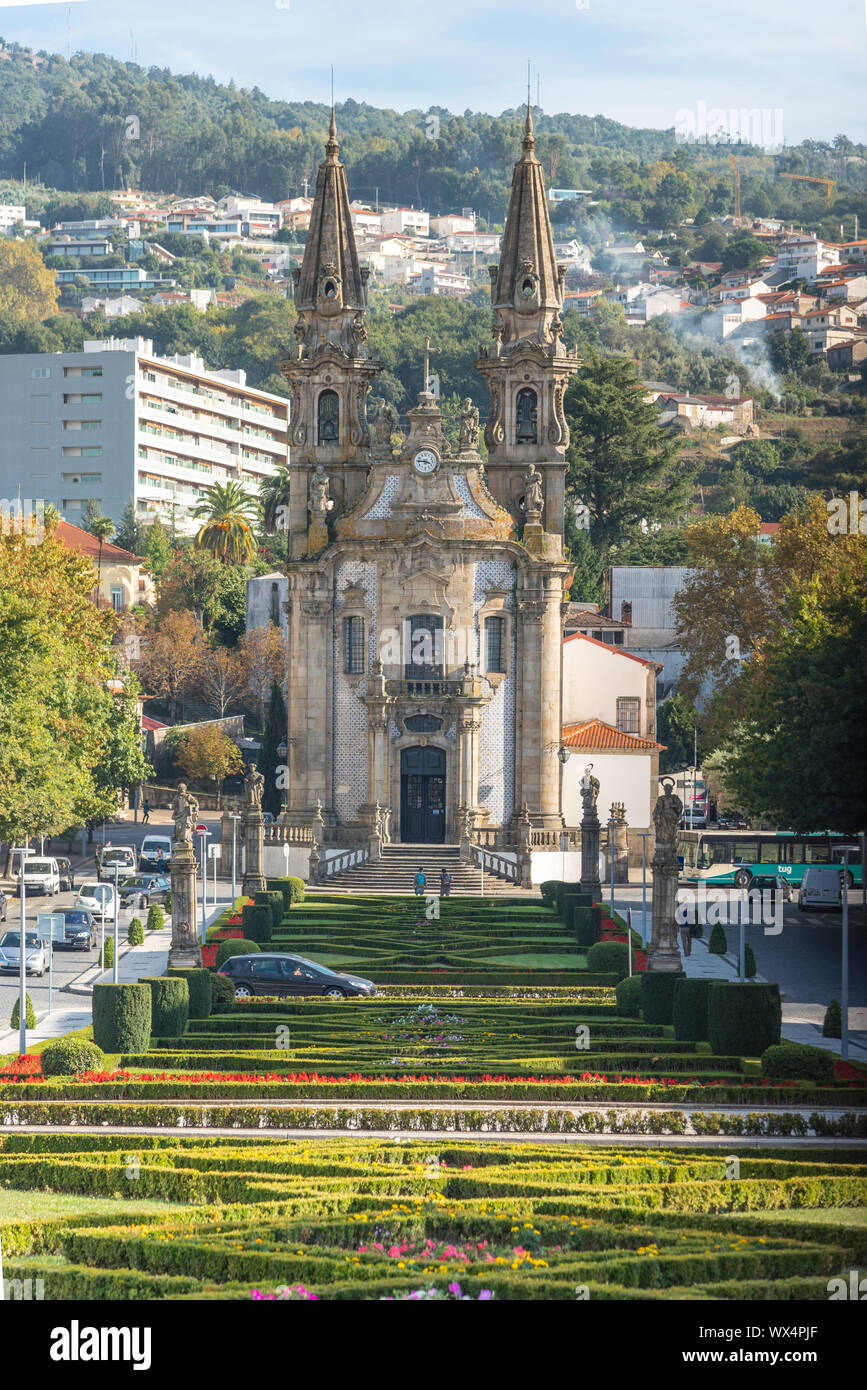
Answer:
(526, 416)
(329, 417)
(494, 653)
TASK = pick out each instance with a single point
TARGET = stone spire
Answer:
(330, 287)
(527, 293)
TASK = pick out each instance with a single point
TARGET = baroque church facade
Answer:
(426, 587)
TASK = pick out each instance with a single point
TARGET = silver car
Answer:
(35, 954)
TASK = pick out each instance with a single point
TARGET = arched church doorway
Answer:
(423, 796)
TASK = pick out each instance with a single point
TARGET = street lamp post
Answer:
(844, 972)
(611, 824)
(22, 959)
(203, 835)
(116, 925)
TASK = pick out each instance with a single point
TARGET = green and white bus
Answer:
(760, 857)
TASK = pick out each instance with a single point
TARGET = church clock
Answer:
(425, 461)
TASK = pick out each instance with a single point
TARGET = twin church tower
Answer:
(425, 586)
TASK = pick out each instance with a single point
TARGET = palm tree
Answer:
(274, 502)
(227, 532)
(101, 527)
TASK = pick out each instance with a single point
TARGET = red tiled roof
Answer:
(769, 528)
(594, 734)
(148, 724)
(74, 538)
(612, 650)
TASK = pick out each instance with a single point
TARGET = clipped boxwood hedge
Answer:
(122, 1017)
(274, 900)
(71, 1057)
(199, 984)
(689, 1011)
(170, 1005)
(657, 995)
(743, 1019)
(290, 886)
(788, 1061)
(582, 918)
(235, 946)
(628, 995)
(257, 922)
(222, 994)
(610, 956)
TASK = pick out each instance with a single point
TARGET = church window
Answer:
(353, 646)
(526, 416)
(329, 415)
(422, 724)
(329, 289)
(425, 654)
(527, 288)
(629, 715)
(494, 656)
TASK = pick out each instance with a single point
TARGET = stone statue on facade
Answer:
(589, 788)
(383, 427)
(254, 784)
(666, 815)
(469, 426)
(358, 330)
(317, 491)
(185, 814)
(534, 498)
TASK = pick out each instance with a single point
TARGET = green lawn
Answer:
(28, 1206)
(560, 961)
(836, 1216)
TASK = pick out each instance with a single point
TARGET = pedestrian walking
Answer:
(146, 808)
(445, 883)
(420, 882)
(686, 930)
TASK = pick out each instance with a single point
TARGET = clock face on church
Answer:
(425, 461)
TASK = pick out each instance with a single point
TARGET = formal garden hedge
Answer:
(199, 986)
(122, 1017)
(373, 1219)
(170, 1004)
(744, 1018)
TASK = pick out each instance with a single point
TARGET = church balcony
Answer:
(435, 688)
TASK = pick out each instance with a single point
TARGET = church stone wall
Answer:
(349, 715)
(497, 734)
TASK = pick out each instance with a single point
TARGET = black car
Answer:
(67, 877)
(140, 890)
(283, 974)
(79, 930)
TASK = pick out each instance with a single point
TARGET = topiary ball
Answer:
(609, 957)
(71, 1057)
(235, 946)
(628, 995)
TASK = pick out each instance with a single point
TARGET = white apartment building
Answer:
(10, 215)
(452, 222)
(483, 243)
(405, 222)
(803, 257)
(366, 220)
(116, 422)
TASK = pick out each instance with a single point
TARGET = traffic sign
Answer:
(51, 926)
(202, 830)
(214, 851)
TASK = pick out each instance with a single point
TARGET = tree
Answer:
(101, 527)
(172, 659)
(227, 533)
(206, 750)
(264, 655)
(622, 466)
(131, 535)
(275, 733)
(121, 762)
(743, 253)
(222, 679)
(676, 721)
(27, 288)
(274, 501)
(157, 548)
(215, 592)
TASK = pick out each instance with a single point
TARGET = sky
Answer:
(641, 63)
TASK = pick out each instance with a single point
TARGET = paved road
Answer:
(804, 958)
(68, 964)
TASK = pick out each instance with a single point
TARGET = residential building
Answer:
(452, 222)
(366, 220)
(583, 302)
(804, 257)
(710, 411)
(848, 355)
(116, 278)
(10, 215)
(439, 279)
(482, 243)
(124, 579)
(116, 421)
(112, 308)
(405, 221)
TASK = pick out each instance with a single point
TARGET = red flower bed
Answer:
(611, 932)
(209, 955)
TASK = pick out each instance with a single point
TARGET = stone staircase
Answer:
(395, 873)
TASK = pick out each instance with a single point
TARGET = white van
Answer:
(40, 875)
(123, 857)
(821, 887)
(147, 856)
(97, 898)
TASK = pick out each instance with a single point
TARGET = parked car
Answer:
(41, 875)
(122, 857)
(140, 890)
(820, 887)
(96, 897)
(35, 954)
(150, 846)
(79, 930)
(67, 877)
(285, 974)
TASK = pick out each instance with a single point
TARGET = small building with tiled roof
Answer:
(121, 579)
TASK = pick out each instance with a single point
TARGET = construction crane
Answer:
(808, 178)
(737, 188)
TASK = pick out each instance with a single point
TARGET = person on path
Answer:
(686, 938)
(420, 881)
(146, 807)
(445, 883)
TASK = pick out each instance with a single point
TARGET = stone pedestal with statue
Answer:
(663, 953)
(254, 833)
(590, 836)
(184, 952)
